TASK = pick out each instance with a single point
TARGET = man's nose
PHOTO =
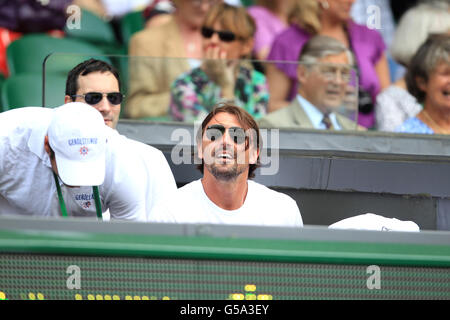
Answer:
(104, 105)
(337, 78)
(226, 139)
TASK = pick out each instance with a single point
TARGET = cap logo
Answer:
(86, 205)
(84, 150)
(81, 141)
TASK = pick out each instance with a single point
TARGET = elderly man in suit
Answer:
(324, 74)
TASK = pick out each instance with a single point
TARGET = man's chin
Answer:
(109, 123)
(225, 172)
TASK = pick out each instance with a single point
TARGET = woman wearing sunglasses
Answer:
(227, 38)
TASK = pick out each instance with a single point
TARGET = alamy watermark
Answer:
(374, 280)
(374, 17)
(74, 279)
(74, 17)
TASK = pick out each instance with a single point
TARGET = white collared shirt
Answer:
(136, 174)
(315, 115)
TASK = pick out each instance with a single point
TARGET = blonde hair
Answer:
(234, 19)
(416, 25)
(269, 4)
(306, 14)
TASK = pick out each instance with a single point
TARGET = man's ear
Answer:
(302, 73)
(47, 147)
(253, 155)
(199, 150)
(253, 150)
(67, 99)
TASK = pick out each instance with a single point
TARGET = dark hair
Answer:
(84, 68)
(434, 50)
(246, 121)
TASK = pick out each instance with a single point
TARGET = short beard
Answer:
(228, 175)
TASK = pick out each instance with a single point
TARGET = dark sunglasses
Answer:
(225, 36)
(95, 97)
(216, 131)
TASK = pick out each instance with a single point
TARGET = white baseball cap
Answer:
(77, 135)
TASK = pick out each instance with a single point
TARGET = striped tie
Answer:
(326, 120)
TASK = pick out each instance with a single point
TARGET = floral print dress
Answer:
(193, 94)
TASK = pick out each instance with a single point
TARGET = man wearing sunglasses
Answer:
(229, 145)
(97, 84)
(326, 95)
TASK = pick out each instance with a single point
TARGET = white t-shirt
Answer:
(262, 207)
(136, 174)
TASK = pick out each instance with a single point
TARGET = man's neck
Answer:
(320, 108)
(228, 195)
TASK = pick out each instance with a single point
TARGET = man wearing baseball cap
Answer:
(76, 145)
(53, 160)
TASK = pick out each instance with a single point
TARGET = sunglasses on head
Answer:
(216, 131)
(95, 97)
(225, 36)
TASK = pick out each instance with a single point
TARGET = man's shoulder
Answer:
(184, 195)
(27, 117)
(278, 118)
(348, 124)
(134, 154)
(268, 194)
(173, 206)
(189, 188)
(144, 148)
(147, 36)
(270, 202)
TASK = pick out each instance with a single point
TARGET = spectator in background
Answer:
(152, 74)
(227, 37)
(399, 7)
(377, 15)
(331, 18)
(324, 74)
(158, 12)
(229, 145)
(20, 17)
(395, 104)
(428, 80)
(271, 17)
